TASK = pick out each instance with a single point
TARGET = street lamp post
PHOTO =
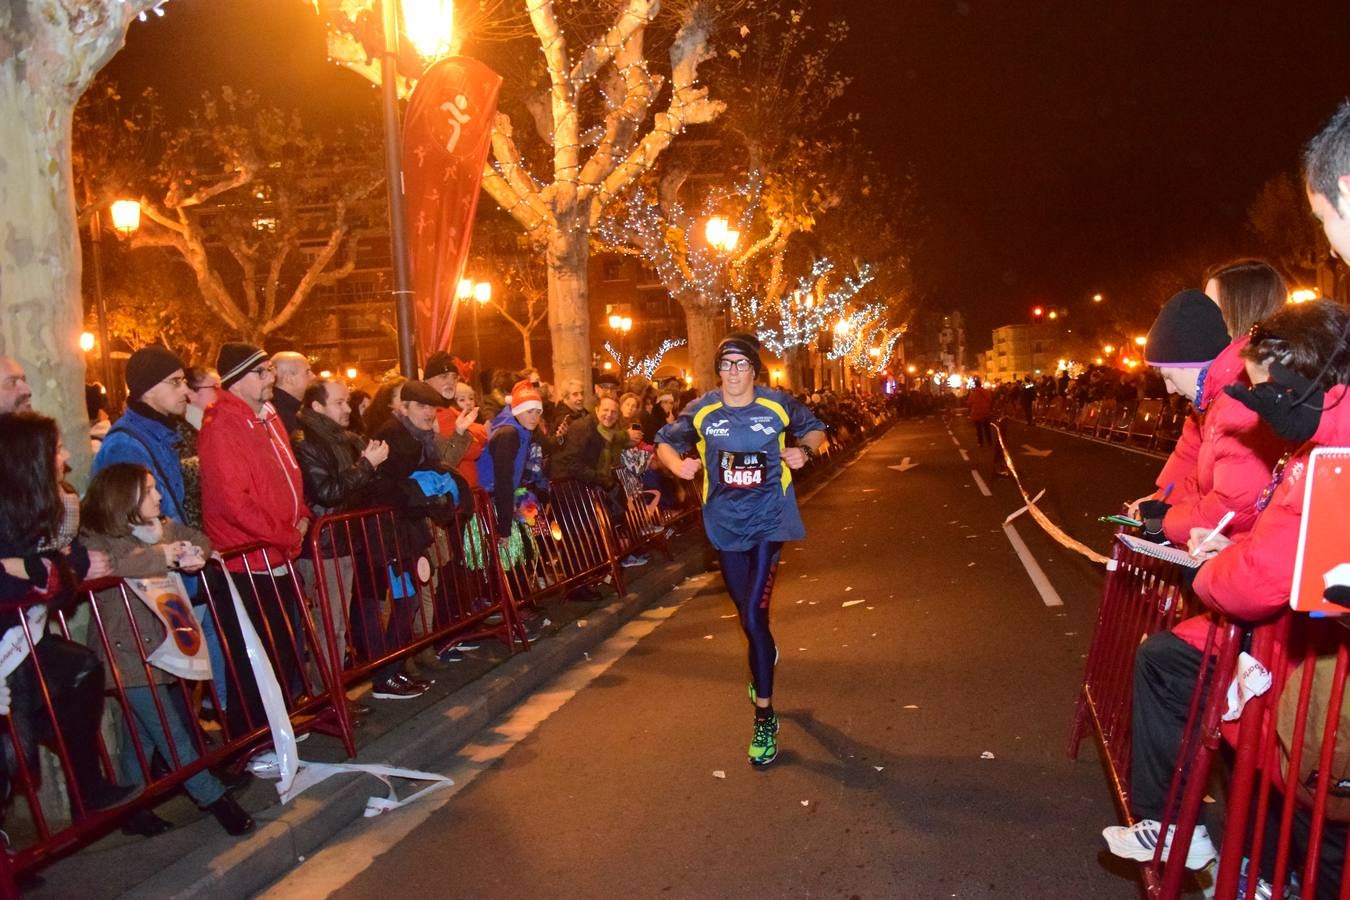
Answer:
(126, 219)
(481, 293)
(398, 227)
(622, 325)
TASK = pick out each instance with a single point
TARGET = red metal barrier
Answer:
(1141, 595)
(76, 674)
(413, 584)
(1278, 829)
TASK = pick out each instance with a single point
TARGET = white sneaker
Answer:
(1139, 841)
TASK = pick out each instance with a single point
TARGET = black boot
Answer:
(231, 816)
(144, 822)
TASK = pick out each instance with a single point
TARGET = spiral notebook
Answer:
(1323, 557)
(1158, 551)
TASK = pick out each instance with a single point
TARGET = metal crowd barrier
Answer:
(1141, 595)
(1147, 424)
(73, 699)
(1267, 828)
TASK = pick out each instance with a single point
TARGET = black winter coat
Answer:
(336, 477)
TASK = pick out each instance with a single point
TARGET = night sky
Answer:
(1060, 148)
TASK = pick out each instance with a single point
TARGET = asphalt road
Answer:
(925, 689)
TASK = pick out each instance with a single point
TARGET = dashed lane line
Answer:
(1049, 596)
(979, 483)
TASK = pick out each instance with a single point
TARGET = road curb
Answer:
(226, 867)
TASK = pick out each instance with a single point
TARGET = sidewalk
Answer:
(197, 858)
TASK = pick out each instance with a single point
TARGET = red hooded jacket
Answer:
(1226, 369)
(251, 485)
(1233, 464)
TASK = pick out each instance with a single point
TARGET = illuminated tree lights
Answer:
(647, 366)
(797, 318)
(665, 235)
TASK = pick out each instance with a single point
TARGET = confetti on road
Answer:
(801, 648)
(707, 637)
(587, 655)
(582, 623)
(718, 773)
(811, 602)
(874, 634)
(986, 755)
(911, 706)
(732, 615)
(847, 589)
(806, 803)
(879, 768)
(852, 602)
(970, 565)
(1070, 633)
(871, 607)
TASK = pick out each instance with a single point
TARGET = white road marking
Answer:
(353, 850)
(964, 455)
(979, 483)
(1049, 596)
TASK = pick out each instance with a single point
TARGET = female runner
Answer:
(749, 507)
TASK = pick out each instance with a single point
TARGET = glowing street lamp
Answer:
(1140, 340)
(1302, 295)
(623, 325)
(126, 216)
(351, 373)
(720, 235)
(1109, 349)
(87, 341)
(481, 292)
(429, 25)
(1096, 298)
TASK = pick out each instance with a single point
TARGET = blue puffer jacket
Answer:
(137, 438)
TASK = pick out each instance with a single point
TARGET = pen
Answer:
(1223, 523)
(1167, 493)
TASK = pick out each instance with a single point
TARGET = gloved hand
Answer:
(1290, 403)
(1153, 509)
(1152, 512)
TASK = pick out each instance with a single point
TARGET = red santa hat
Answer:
(525, 397)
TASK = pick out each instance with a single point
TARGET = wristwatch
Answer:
(810, 453)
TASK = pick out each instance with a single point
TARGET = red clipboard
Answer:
(1323, 550)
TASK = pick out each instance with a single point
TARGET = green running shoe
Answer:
(764, 744)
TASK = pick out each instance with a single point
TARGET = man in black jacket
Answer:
(338, 473)
(416, 446)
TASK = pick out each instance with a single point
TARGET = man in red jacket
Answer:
(252, 493)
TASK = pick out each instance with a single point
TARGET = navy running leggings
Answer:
(749, 577)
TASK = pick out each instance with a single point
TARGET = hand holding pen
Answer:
(1206, 545)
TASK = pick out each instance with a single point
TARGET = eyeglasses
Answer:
(177, 382)
(209, 386)
(263, 371)
(739, 365)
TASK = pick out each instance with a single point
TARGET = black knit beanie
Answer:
(149, 366)
(234, 361)
(1189, 332)
(745, 344)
